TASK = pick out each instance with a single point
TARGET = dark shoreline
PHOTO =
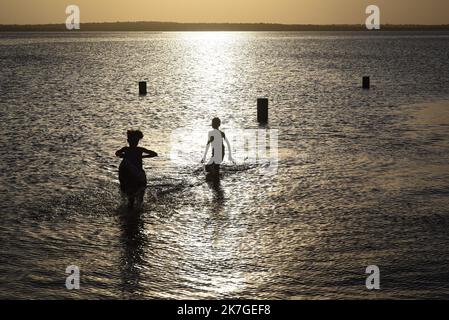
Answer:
(173, 26)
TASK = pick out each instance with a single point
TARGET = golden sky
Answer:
(278, 11)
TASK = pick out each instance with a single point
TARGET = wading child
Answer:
(133, 180)
(215, 138)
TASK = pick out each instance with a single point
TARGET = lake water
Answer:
(361, 176)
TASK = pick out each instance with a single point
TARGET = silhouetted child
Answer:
(215, 138)
(133, 180)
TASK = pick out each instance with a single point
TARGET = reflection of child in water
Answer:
(216, 138)
(133, 180)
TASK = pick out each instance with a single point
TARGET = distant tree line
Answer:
(173, 26)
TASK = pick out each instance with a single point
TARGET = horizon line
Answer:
(166, 26)
(227, 23)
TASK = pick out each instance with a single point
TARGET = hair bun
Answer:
(135, 134)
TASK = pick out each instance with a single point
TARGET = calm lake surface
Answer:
(362, 178)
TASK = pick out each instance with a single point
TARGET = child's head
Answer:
(134, 136)
(216, 123)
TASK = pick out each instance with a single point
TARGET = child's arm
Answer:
(149, 154)
(209, 140)
(120, 153)
(230, 151)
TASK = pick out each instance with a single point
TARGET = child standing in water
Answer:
(215, 139)
(133, 180)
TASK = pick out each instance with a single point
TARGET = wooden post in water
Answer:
(366, 83)
(143, 88)
(262, 110)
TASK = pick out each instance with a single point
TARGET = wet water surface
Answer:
(361, 179)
